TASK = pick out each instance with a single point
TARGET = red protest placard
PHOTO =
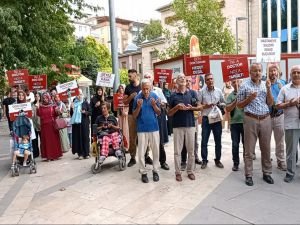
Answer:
(37, 82)
(163, 75)
(15, 109)
(17, 77)
(235, 69)
(67, 90)
(197, 65)
(118, 100)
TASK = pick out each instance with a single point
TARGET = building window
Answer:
(80, 28)
(140, 70)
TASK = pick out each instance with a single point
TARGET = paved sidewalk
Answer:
(65, 191)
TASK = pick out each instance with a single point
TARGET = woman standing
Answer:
(80, 127)
(36, 124)
(123, 118)
(62, 112)
(96, 104)
(50, 144)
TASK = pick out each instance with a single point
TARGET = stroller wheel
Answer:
(13, 172)
(122, 163)
(17, 171)
(96, 168)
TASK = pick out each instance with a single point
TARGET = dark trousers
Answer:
(237, 134)
(35, 144)
(216, 128)
(10, 124)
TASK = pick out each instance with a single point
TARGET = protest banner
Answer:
(17, 77)
(37, 82)
(163, 75)
(105, 79)
(118, 100)
(67, 90)
(268, 50)
(194, 46)
(235, 69)
(197, 65)
(15, 109)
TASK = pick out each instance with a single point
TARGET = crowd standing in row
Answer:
(254, 109)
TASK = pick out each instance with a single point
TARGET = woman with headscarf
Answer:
(80, 111)
(50, 143)
(62, 112)
(96, 102)
(123, 117)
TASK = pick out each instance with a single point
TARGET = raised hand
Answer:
(140, 102)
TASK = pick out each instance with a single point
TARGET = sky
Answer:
(137, 10)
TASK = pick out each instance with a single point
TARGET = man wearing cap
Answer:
(277, 116)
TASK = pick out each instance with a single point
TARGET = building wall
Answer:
(147, 62)
(81, 30)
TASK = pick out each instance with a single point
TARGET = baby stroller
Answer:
(96, 147)
(22, 127)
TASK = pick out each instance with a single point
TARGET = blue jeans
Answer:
(237, 132)
(216, 128)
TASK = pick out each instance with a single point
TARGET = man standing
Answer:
(277, 117)
(236, 124)
(209, 97)
(182, 105)
(288, 100)
(255, 97)
(9, 100)
(145, 110)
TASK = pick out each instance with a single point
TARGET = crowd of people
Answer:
(253, 108)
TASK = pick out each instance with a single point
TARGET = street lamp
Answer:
(237, 32)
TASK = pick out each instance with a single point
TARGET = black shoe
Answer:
(164, 166)
(183, 166)
(145, 178)
(155, 177)
(235, 168)
(148, 160)
(249, 181)
(219, 164)
(132, 161)
(288, 178)
(198, 161)
(204, 165)
(268, 179)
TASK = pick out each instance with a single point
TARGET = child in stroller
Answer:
(23, 150)
(22, 147)
(108, 135)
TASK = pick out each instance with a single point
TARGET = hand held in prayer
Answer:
(253, 95)
(153, 102)
(268, 84)
(133, 94)
(139, 102)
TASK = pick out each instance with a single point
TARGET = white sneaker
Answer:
(101, 159)
(24, 164)
(118, 153)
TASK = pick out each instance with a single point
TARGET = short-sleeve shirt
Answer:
(257, 106)
(101, 120)
(210, 97)
(237, 114)
(291, 114)
(130, 88)
(183, 118)
(147, 118)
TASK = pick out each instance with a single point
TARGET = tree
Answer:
(34, 33)
(90, 55)
(151, 31)
(204, 19)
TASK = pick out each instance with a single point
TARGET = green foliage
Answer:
(204, 19)
(151, 31)
(123, 76)
(89, 55)
(34, 33)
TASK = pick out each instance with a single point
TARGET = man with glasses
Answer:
(182, 105)
(255, 97)
(209, 97)
(288, 100)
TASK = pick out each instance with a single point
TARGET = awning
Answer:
(84, 81)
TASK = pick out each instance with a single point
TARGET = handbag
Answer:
(60, 123)
(215, 115)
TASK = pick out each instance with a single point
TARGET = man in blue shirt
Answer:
(277, 116)
(146, 107)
